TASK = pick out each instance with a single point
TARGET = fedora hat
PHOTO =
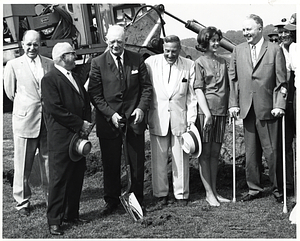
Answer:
(191, 142)
(79, 148)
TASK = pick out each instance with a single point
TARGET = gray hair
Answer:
(31, 32)
(257, 19)
(115, 28)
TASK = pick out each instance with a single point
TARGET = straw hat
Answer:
(191, 142)
(79, 148)
(291, 26)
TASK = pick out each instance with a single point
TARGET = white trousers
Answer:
(24, 155)
(160, 146)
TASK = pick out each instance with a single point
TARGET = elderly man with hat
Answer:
(288, 45)
(273, 36)
(67, 113)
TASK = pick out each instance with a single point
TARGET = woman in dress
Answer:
(211, 86)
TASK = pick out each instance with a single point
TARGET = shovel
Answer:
(127, 198)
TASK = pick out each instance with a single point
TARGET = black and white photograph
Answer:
(154, 120)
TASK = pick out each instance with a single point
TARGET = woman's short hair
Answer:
(205, 35)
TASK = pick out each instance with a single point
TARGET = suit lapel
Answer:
(65, 79)
(178, 75)
(111, 64)
(27, 72)
(249, 58)
(263, 49)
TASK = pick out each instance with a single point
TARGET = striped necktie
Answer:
(253, 54)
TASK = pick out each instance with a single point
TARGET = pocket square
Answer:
(184, 80)
(135, 71)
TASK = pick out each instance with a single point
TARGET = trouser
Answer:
(24, 155)
(180, 166)
(111, 151)
(66, 180)
(261, 136)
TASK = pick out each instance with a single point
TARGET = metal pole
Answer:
(284, 165)
(233, 159)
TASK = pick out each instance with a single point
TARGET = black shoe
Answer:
(250, 197)
(279, 199)
(108, 209)
(76, 221)
(181, 202)
(162, 201)
(24, 212)
(55, 230)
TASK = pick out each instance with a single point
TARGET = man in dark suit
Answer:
(67, 111)
(258, 93)
(120, 91)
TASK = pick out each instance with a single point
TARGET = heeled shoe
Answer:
(212, 204)
(222, 199)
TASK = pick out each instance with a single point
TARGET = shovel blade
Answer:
(132, 206)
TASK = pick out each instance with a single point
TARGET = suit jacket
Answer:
(172, 105)
(64, 108)
(109, 95)
(260, 86)
(24, 90)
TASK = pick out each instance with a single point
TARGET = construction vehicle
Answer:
(85, 26)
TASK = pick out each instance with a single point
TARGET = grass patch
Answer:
(261, 218)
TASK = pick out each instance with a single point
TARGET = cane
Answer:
(233, 158)
(284, 165)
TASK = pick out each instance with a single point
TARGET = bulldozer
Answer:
(84, 26)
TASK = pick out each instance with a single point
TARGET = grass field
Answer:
(261, 219)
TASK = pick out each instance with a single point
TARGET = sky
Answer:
(225, 15)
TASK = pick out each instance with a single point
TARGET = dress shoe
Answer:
(181, 202)
(222, 199)
(162, 201)
(279, 199)
(24, 212)
(76, 221)
(211, 203)
(108, 209)
(250, 197)
(55, 230)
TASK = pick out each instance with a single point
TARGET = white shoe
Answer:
(222, 199)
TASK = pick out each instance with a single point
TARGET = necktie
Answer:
(72, 80)
(170, 73)
(120, 67)
(253, 54)
(34, 68)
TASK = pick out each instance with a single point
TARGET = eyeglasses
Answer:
(274, 40)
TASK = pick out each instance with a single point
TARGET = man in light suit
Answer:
(258, 94)
(22, 78)
(120, 92)
(67, 111)
(172, 111)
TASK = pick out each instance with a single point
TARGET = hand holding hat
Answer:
(191, 142)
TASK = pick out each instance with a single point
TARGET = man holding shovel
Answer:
(120, 90)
